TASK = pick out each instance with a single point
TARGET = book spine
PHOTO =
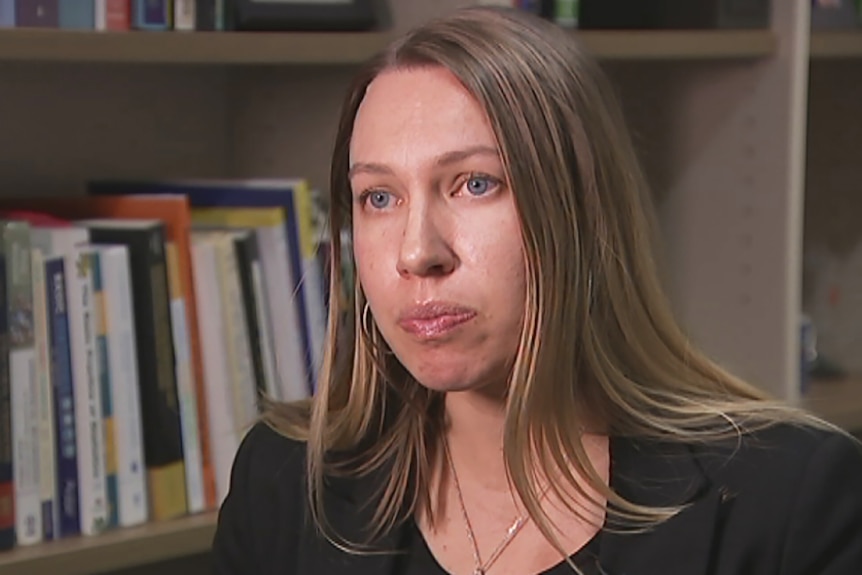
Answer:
(184, 15)
(64, 399)
(7, 13)
(88, 403)
(104, 377)
(267, 338)
(41, 14)
(77, 14)
(185, 386)
(151, 14)
(310, 277)
(7, 484)
(290, 338)
(166, 497)
(236, 337)
(114, 14)
(22, 379)
(122, 360)
(160, 413)
(206, 19)
(220, 423)
(100, 15)
(47, 442)
(293, 252)
(246, 258)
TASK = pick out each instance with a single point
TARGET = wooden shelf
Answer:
(225, 48)
(837, 44)
(677, 44)
(837, 401)
(249, 48)
(117, 549)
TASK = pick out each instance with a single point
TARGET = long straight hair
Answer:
(599, 342)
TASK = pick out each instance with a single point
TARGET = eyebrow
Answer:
(444, 159)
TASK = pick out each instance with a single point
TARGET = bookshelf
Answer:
(836, 44)
(120, 549)
(269, 48)
(678, 44)
(214, 48)
(727, 123)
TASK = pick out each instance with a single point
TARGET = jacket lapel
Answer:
(662, 474)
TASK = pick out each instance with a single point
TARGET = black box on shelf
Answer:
(675, 14)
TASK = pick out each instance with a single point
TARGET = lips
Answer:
(434, 319)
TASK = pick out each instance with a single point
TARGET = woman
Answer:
(510, 394)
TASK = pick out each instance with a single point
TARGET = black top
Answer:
(419, 560)
(785, 501)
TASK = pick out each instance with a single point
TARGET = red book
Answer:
(117, 14)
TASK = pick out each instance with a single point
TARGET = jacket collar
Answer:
(646, 473)
(661, 474)
(349, 504)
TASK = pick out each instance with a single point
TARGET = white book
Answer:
(100, 7)
(220, 425)
(47, 439)
(264, 322)
(236, 334)
(186, 393)
(56, 242)
(184, 15)
(278, 279)
(24, 387)
(89, 423)
(132, 500)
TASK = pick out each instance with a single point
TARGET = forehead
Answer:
(411, 109)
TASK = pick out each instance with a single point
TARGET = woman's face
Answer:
(437, 238)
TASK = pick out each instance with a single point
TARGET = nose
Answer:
(425, 249)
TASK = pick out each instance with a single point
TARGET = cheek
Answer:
(371, 253)
(498, 253)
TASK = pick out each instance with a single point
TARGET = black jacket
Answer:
(788, 502)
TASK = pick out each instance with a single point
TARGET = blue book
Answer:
(7, 476)
(77, 14)
(7, 13)
(64, 398)
(151, 14)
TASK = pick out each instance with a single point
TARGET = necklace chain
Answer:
(514, 529)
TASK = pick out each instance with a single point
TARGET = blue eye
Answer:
(378, 199)
(478, 185)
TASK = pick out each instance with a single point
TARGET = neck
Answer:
(475, 434)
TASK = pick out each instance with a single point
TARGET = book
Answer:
(175, 214)
(123, 412)
(23, 382)
(163, 445)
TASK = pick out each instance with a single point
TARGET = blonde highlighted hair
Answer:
(599, 343)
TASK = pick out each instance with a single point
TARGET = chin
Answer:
(445, 377)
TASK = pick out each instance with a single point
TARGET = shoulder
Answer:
(786, 452)
(266, 450)
(793, 493)
(267, 459)
(783, 500)
(264, 509)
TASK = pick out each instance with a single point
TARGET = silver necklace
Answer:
(514, 528)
